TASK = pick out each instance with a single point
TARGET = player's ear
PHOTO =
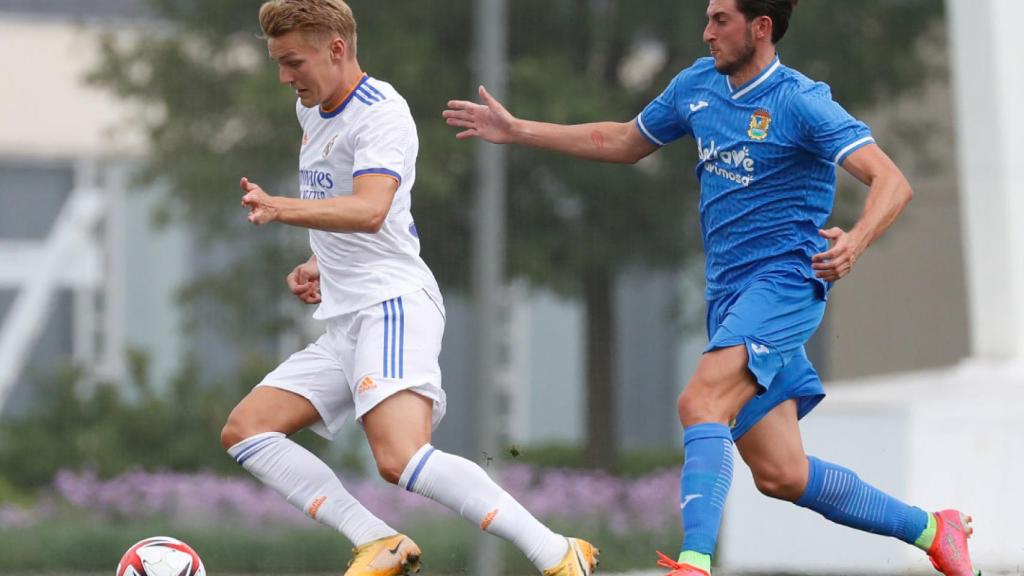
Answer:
(338, 48)
(763, 27)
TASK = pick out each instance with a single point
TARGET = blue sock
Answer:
(841, 496)
(707, 475)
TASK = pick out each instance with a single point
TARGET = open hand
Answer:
(489, 121)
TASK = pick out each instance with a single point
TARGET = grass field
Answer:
(1019, 572)
(642, 573)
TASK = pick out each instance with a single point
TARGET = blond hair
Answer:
(318, 19)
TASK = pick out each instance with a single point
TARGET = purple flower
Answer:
(647, 504)
(12, 516)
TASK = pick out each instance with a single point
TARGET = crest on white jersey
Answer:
(330, 145)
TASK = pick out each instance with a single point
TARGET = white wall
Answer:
(49, 114)
(988, 58)
(46, 110)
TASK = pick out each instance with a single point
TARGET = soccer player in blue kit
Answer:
(768, 140)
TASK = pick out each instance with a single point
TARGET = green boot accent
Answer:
(927, 537)
(698, 560)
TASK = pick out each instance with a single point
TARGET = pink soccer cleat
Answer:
(679, 569)
(949, 552)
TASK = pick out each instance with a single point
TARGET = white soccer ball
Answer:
(160, 556)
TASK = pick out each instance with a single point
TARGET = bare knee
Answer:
(699, 403)
(393, 456)
(720, 386)
(390, 468)
(242, 424)
(235, 430)
(783, 483)
(396, 429)
(267, 409)
(688, 407)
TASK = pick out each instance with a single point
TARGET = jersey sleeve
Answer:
(660, 121)
(382, 142)
(826, 129)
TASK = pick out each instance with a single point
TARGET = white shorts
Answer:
(367, 356)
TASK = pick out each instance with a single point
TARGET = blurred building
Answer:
(84, 276)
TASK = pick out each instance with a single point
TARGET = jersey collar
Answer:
(752, 84)
(344, 101)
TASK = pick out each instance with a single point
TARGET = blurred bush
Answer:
(631, 463)
(112, 428)
(85, 523)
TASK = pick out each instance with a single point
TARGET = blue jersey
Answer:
(766, 158)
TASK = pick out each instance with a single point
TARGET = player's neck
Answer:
(351, 76)
(761, 60)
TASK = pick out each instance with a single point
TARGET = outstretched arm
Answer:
(363, 211)
(619, 142)
(888, 194)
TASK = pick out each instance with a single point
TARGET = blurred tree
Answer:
(115, 429)
(213, 112)
(111, 431)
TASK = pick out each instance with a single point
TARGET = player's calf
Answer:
(308, 484)
(466, 489)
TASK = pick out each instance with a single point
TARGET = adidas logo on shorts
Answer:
(366, 384)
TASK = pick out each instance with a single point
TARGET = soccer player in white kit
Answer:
(385, 317)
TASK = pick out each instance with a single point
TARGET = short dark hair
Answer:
(778, 10)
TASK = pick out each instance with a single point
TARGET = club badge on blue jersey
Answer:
(759, 123)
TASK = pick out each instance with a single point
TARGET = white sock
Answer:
(308, 484)
(465, 488)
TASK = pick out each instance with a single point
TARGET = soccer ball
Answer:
(160, 556)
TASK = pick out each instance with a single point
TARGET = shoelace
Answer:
(666, 562)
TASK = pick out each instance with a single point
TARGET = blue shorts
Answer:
(773, 316)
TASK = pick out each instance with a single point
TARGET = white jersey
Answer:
(370, 132)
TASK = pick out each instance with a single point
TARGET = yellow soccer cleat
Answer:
(392, 556)
(580, 560)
